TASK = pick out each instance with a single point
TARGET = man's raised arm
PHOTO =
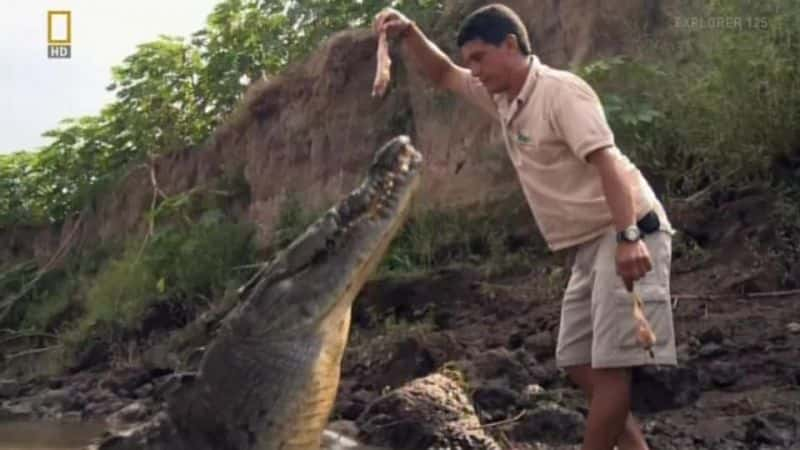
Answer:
(433, 62)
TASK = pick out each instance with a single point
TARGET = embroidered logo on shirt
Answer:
(524, 139)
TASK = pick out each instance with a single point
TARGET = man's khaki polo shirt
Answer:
(549, 129)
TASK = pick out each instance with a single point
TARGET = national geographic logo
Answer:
(59, 34)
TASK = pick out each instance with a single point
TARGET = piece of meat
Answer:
(383, 72)
(644, 332)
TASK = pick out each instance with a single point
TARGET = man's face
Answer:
(490, 63)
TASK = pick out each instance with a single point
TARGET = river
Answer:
(38, 435)
(29, 435)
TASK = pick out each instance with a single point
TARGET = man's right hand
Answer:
(392, 21)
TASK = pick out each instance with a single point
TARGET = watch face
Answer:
(631, 233)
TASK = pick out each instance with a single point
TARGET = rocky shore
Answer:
(471, 367)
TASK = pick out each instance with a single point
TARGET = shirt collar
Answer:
(524, 94)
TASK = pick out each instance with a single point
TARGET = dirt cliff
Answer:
(311, 131)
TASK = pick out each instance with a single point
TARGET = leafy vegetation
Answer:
(183, 266)
(293, 219)
(96, 296)
(703, 108)
(438, 238)
(170, 94)
(710, 106)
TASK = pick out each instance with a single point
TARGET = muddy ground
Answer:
(737, 385)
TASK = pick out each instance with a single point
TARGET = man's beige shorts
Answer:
(597, 325)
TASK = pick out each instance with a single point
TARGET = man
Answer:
(585, 195)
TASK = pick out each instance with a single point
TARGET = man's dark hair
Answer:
(492, 24)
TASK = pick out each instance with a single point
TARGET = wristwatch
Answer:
(629, 234)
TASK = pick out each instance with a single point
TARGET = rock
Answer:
(123, 382)
(167, 385)
(72, 416)
(16, 411)
(494, 402)
(546, 374)
(531, 393)
(93, 410)
(711, 350)
(550, 423)
(793, 327)
(9, 388)
(55, 383)
(713, 335)
(94, 354)
(774, 428)
(332, 440)
(428, 412)
(542, 345)
(661, 388)
(144, 391)
(350, 410)
(100, 395)
(501, 364)
(724, 374)
(59, 400)
(515, 341)
(85, 386)
(159, 433)
(346, 428)
(407, 359)
(354, 404)
(133, 413)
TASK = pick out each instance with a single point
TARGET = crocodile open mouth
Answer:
(390, 178)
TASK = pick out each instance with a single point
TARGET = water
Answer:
(29, 435)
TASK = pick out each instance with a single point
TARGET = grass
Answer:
(709, 107)
(433, 239)
(187, 267)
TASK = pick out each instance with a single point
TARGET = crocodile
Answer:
(269, 378)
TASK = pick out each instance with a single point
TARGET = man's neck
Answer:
(518, 76)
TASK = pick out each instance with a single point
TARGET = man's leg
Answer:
(614, 345)
(631, 437)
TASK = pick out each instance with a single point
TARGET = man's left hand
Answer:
(633, 262)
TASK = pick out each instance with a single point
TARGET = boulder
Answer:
(428, 412)
(658, 388)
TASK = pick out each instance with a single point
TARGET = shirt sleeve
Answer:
(471, 89)
(578, 115)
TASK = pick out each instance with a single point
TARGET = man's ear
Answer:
(511, 43)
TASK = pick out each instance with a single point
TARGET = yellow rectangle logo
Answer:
(59, 27)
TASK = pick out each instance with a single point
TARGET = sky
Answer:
(37, 92)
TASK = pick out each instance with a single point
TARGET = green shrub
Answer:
(293, 219)
(710, 106)
(179, 264)
(121, 293)
(438, 238)
(44, 311)
(198, 260)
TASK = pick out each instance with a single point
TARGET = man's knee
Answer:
(611, 375)
(589, 379)
(612, 382)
